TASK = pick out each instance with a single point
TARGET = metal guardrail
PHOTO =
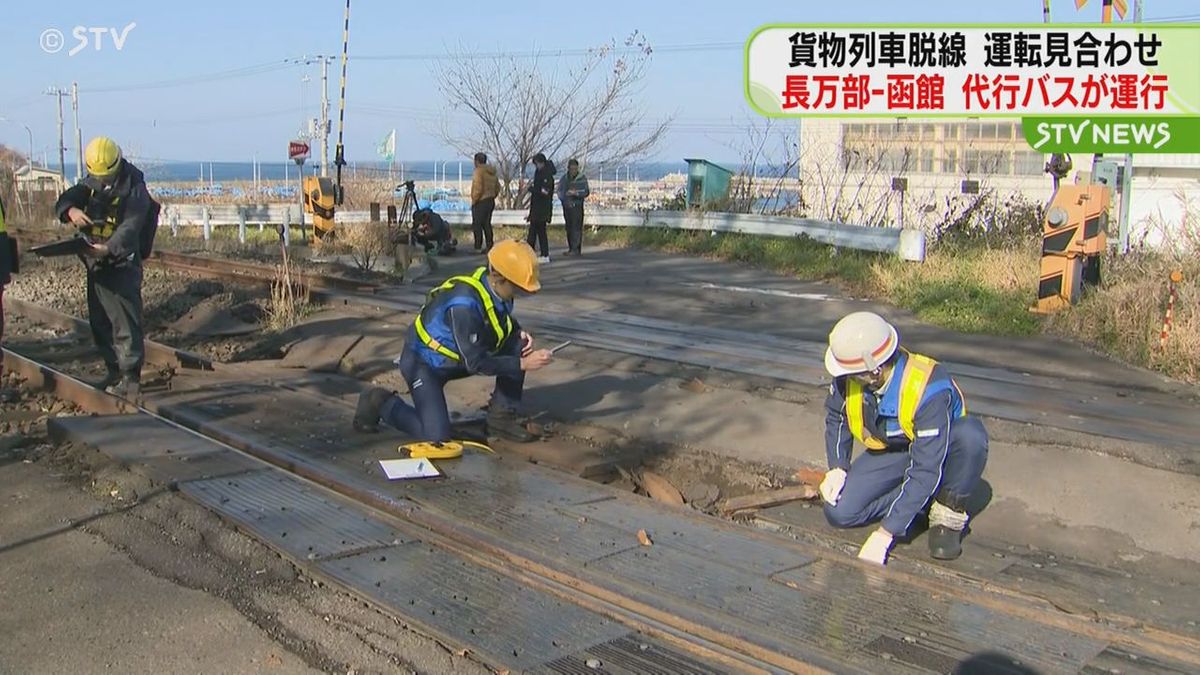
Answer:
(908, 244)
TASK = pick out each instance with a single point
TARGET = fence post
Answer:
(207, 225)
(175, 222)
(287, 227)
(241, 225)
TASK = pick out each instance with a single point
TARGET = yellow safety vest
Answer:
(100, 231)
(475, 281)
(917, 371)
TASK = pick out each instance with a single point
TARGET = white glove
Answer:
(832, 484)
(875, 548)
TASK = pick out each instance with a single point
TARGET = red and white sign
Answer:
(298, 151)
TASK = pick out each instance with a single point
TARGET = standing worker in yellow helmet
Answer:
(113, 209)
(922, 448)
(465, 328)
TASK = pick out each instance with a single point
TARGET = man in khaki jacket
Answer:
(484, 190)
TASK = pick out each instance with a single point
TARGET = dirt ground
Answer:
(105, 571)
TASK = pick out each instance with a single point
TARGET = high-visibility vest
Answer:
(914, 380)
(102, 229)
(475, 281)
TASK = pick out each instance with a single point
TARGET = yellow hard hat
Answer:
(516, 261)
(860, 343)
(102, 157)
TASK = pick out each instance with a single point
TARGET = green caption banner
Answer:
(1113, 134)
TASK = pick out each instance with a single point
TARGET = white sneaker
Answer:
(543, 259)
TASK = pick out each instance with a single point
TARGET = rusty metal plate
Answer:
(514, 476)
(941, 623)
(630, 655)
(504, 621)
(1127, 660)
(509, 516)
(699, 535)
(818, 609)
(156, 449)
(305, 521)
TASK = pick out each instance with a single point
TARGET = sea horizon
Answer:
(176, 171)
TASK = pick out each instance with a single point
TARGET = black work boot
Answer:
(370, 406)
(947, 520)
(111, 378)
(503, 423)
(129, 388)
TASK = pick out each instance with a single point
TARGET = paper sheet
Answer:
(408, 468)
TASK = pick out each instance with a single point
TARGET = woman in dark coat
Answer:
(541, 205)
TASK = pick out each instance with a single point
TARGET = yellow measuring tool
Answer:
(443, 450)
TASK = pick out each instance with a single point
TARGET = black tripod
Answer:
(401, 235)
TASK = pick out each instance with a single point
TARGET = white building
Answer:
(848, 167)
(38, 179)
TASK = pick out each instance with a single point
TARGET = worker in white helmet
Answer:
(923, 451)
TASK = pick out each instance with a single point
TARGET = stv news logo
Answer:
(52, 40)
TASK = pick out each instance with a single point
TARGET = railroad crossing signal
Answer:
(298, 151)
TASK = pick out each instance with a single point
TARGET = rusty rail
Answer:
(157, 353)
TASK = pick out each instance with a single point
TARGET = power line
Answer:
(1182, 18)
(552, 53)
(245, 71)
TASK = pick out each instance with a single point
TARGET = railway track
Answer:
(1165, 422)
(539, 572)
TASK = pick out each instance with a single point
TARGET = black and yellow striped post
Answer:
(339, 158)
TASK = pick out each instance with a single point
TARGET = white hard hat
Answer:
(860, 343)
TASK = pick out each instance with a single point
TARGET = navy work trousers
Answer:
(875, 478)
(428, 418)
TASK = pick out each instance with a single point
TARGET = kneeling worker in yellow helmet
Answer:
(922, 448)
(113, 209)
(465, 328)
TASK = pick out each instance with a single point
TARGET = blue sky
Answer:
(224, 117)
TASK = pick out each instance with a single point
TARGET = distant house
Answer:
(39, 179)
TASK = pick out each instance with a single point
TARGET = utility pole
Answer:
(78, 133)
(324, 117)
(1127, 174)
(62, 157)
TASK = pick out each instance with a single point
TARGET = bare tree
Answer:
(520, 107)
(769, 159)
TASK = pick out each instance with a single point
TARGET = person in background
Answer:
(541, 205)
(571, 192)
(431, 232)
(8, 265)
(484, 189)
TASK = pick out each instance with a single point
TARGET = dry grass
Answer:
(971, 287)
(366, 243)
(289, 299)
(1124, 317)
